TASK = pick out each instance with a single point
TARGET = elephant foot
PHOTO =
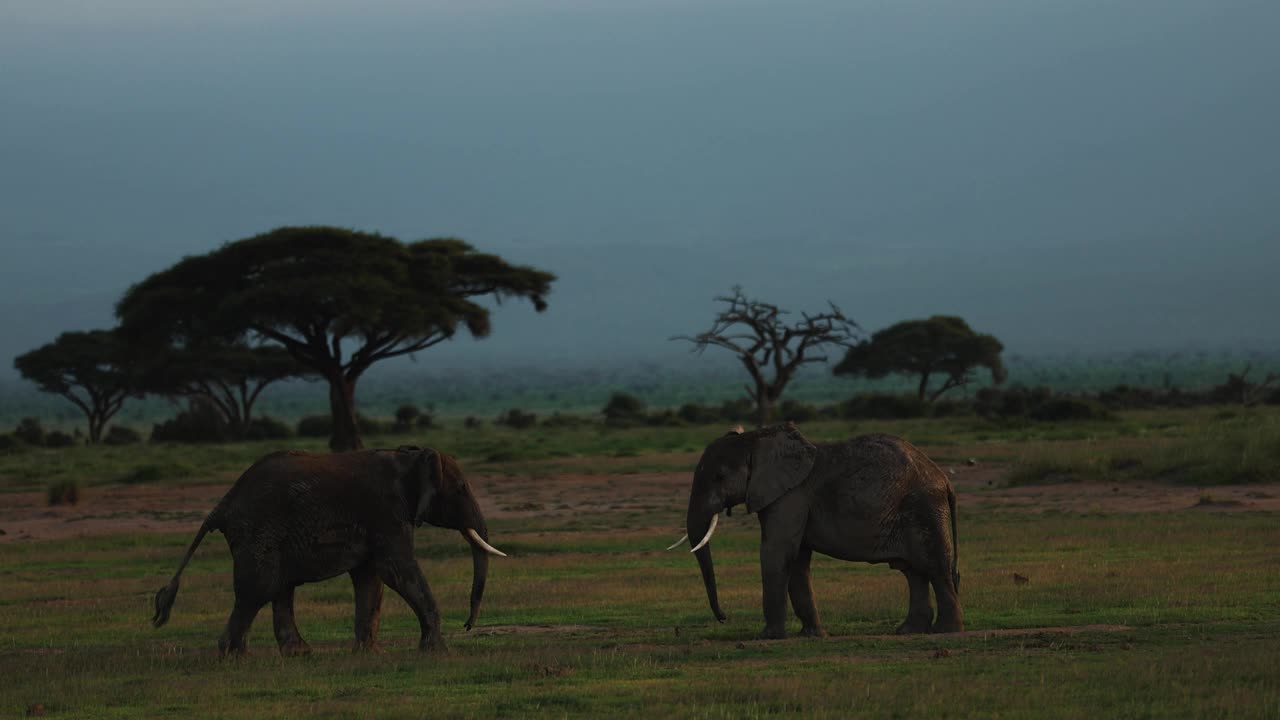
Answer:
(949, 626)
(912, 627)
(295, 649)
(435, 645)
(771, 633)
(813, 631)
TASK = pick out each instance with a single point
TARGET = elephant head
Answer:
(439, 495)
(755, 468)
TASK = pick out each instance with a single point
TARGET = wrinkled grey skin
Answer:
(873, 499)
(295, 518)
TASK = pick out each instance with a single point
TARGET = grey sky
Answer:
(1071, 175)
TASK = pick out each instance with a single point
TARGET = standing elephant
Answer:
(294, 518)
(874, 499)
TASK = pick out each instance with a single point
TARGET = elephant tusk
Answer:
(475, 537)
(679, 542)
(710, 531)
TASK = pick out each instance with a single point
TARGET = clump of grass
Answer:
(142, 475)
(64, 492)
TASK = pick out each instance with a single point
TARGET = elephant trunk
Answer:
(479, 564)
(698, 524)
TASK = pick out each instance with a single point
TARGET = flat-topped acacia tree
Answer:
(93, 369)
(338, 300)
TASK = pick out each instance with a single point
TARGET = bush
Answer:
(121, 435)
(266, 428)
(30, 431)
(798, 412)
(564, 420)
(199, 423)
(623, 409)
(740, 410)
(473, 423)
(666, 418)
(142, 475)
(64, 492)
(426, 422)
(406, 417)
(58, 439)
(10, 445)
(883, 407)
(695, 414)
(517, 419)
(315, 426)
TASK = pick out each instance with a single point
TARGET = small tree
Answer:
(91, 369)
(770, 349)
(229, 376)
(337, 300)
(941, 345)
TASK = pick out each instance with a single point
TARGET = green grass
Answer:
(614, 626)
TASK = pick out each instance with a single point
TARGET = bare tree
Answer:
(770, 349)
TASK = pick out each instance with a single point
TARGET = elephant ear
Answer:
(781, 459)
(421, 484)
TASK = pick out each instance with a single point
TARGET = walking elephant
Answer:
(294, 518)
(874, 499)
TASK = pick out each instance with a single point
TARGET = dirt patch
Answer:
(132, 508)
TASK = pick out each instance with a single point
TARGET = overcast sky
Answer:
(1073, 175)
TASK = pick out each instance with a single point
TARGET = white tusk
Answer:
(714, 519)
(487, 547)
(679, 542)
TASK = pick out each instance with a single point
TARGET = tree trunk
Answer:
(95, 427)
(924, 384)
(342, 407)
(764, 406)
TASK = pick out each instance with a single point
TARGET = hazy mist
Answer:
(1070, 176)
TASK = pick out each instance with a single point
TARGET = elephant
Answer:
(875, 498)
(296, 517)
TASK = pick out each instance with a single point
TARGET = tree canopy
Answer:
(94, 370)
(770, 349)
(941, 345)
(337, 300)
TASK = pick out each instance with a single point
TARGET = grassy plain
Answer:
(1170, 614)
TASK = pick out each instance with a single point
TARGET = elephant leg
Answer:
(235, 638)
(801, 591)
(368, 590)
(950, 614)
(403, 575)
(286, 628)
(919, 610)
(775, 574)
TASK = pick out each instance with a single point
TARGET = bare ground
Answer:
(112, 509)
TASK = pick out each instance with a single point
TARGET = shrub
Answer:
(740, 410)
(797, 412)
(623, 409)
(883, 407)
(315, 426)
(426, 421)
(406, 416)
(30, 431)
(473, 423)
(58, 439)
(121, 435)
(142, 475)
(565, 420)
(666, 418)
(199, 423)
(11, 445)
(266, 428)
(517, 419)
(64, 492)
(695, 414)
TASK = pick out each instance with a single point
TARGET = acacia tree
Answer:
(337, 300)
(94, 370)
(941, 345)
(230, 376)
(769, 349)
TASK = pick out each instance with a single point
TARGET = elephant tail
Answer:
(167, 594)
(955, 547)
